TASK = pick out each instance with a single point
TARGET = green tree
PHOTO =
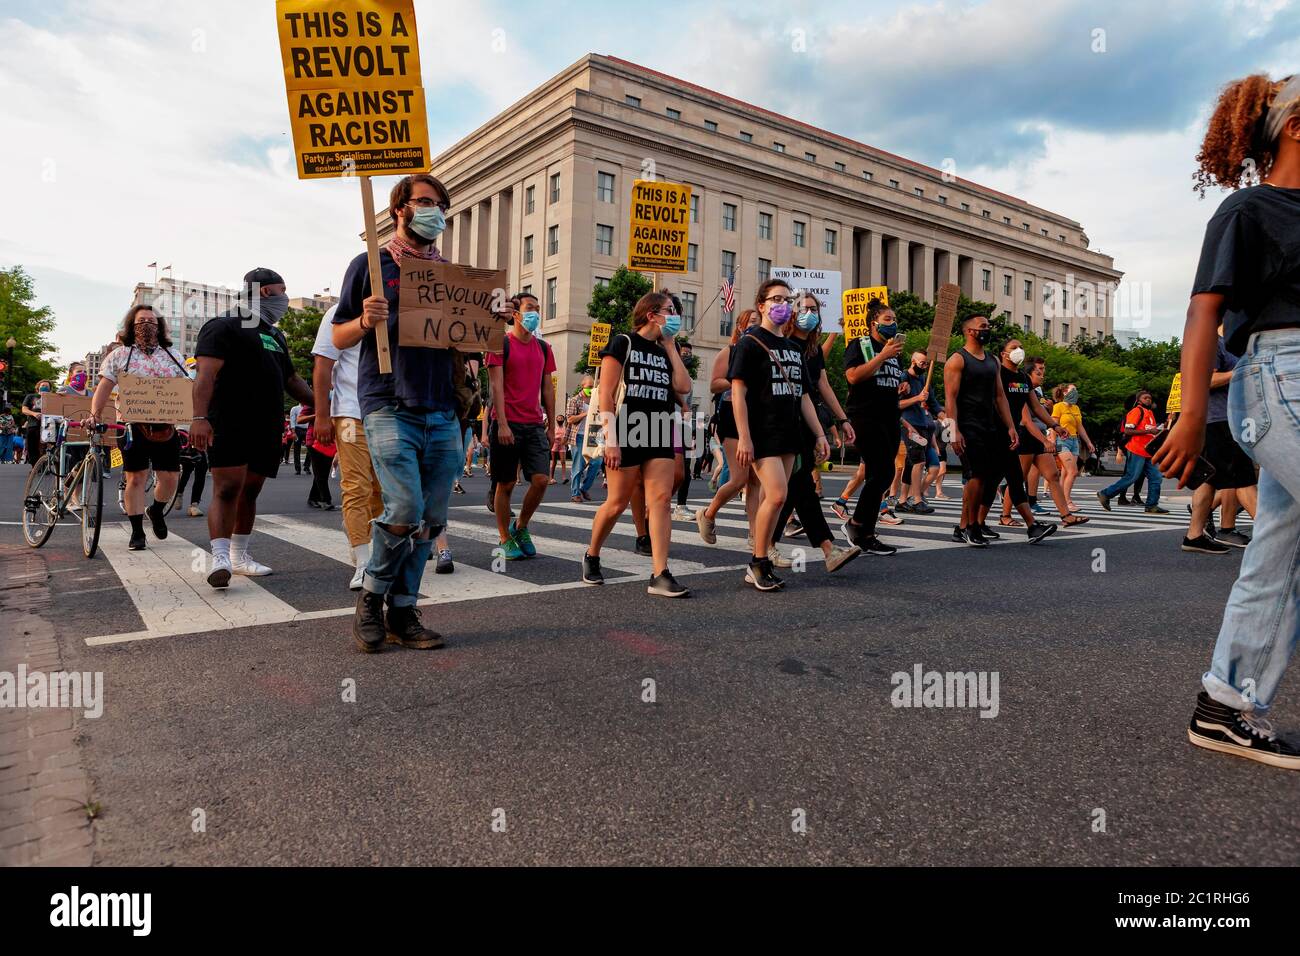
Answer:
(613, 303)
(299, 327)
(30, 326)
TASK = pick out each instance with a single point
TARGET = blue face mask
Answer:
(428, 224)
(672, 325)
(887, 331)
(807, 321)
(530, 321)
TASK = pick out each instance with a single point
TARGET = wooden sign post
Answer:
(945, 314)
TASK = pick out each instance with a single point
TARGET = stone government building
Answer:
(543, 190)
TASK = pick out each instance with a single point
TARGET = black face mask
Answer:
(983, 336)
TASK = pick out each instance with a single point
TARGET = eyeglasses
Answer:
(777, 299)
(424, 202)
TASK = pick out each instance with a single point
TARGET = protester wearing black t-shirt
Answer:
(244, 370)
(639, 434)
(32, 428)
(1249, 279)
(768, 398)
(875, 380)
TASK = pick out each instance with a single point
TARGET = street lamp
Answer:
(9, 367)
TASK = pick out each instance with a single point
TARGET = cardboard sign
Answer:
(1175, 401)
(445, 306)
(659, 226)
(826, 286)
(945, 313)
(855, 310)
(74, 407)
(352, 74)
(599, 339)
(164, 401)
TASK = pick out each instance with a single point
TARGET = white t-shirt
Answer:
(343, 400)
(160, 363)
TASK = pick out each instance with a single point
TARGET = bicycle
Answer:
(51, 492)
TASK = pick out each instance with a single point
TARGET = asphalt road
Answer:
(767, 709)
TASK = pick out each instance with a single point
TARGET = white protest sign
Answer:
(824, 284)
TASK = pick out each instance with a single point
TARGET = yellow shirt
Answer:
(1069, 416)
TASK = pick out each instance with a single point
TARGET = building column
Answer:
(874, 274)
(496, 228)
(464, 234)
(897, 260)
(926, 277)
(946, 266)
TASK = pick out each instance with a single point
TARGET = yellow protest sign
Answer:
(659, 226)
(855, 309)
(599, 339)
(352, 73)
(1175, 401)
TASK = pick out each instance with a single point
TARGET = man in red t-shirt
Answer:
(523, 423)
(1140, 424)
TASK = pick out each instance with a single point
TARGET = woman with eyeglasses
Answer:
(639, 434)
(769, 378)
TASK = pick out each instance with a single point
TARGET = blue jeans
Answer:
(6, 448)
(1135, 465)
(1262, 620)
(416, 457)
(585, 471)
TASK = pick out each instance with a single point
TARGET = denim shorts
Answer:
(1070, 444)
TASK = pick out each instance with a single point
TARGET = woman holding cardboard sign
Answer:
(146, 351)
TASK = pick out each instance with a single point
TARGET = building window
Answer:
(1047, 329)
(746, 137)
(1101, 304)
(965, 207)
(725, 325)
(604, 187)
(692, 257)
(729, 217)
(943, 200)
(918, 190)
(688, 311)
(867, 175)
(779, 147)
(764, 270)
(1065, 332)
(711, 126)
(893, 183)
(832, 241)
(1061, 237)
(674, 114)
(1024, 226)
(987, 214)
(811, 157)
(1065, 299)
(695, 207)
(602, 281)
(528, 249)
(604, 240)
(987, 279)
(552, 240)
(728, 264)
(841, 167)
(1047, 294)
(1026, 324)
(550, 298)
(631, 100)
(1006, 220)
(1101, 336)
(530, 196)
(1029, 291)
(1043, 231)
(798, 234)
(555, 187)
(765, 225)
(1006, 285)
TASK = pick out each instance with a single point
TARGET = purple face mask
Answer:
(79, 381)
(779, 313)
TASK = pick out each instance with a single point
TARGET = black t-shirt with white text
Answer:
(876, 396)
(648, 377)
(773, 400)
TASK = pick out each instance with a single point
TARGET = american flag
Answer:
(728, 294)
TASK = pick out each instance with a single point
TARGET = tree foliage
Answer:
(299, 327)
(30, 326)
(613, 303)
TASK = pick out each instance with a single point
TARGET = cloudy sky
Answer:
(158, 129)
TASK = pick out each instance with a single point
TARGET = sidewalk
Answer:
(43, 788)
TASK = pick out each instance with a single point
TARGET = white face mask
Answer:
(1017, 355)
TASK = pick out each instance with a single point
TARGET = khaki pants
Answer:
(362, 502)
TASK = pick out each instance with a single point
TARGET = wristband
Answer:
(841, 421)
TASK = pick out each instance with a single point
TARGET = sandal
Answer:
(1011, 522)
(1071, 520)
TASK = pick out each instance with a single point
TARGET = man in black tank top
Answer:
(982, 429)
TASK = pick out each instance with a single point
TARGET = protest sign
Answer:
(825, 285)
(659, 226)
(1175, 401)
(854, 302)
(155, 400)
(73, 407)
(945, 313)
(445, 306)
(599, 339)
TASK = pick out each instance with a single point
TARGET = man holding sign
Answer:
(146, 351)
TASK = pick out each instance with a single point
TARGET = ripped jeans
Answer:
(416, 456)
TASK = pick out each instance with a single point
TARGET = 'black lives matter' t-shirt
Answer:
(649, 380)
(249, 391)
(773, 400)
(1251, 256)
(876, 397)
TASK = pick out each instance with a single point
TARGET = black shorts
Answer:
(632, 457)
(1232, 466)
(531, 453)
(916, 454)
(1029, 445)
(143, 453)
(727, 423)
(235, 447)
(985, 454)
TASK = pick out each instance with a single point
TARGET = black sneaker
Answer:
(921, 508)
(989, 532)
(870, 544)
(1232, 538)
(591, 570)
(1157, 510)
(643, 545)
(368, 624)
(1105, 502)
(155, 513)
(491, 496)
(794, 528)
(905, 507)
(974, 537)
(759, 573)
(1039, 530)
(665, 585)
(959, 534)
(403, 627)
(1204, 545)
(1212, 531)
(137, 542)
(1218, 727)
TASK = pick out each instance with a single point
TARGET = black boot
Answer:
(155, 513)
(368, 625)
(404, 628)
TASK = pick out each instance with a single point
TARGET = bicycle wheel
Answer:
(40, 502)
(92, 503)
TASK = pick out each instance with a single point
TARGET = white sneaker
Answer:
(360, 557)
(219, 576)
(248, 567)
(779, 560)
(358, 578)
(680, 514)
(840, 557)
(195, 512)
